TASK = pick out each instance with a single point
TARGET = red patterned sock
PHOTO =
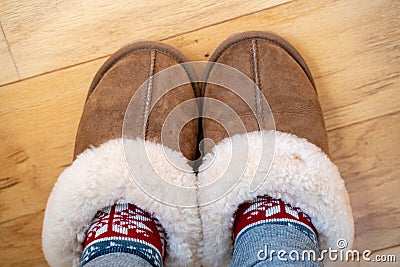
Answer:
(268, 210)
(125, 228)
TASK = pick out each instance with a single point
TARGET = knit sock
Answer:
(265, 226)
(125, 228)
(268, 210)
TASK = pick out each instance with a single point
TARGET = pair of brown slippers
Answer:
(300, 172)
(282, 75)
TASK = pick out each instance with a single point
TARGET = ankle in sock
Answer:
(125, 228)
(268, 210)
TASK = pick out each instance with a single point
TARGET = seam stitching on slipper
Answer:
(148, 93)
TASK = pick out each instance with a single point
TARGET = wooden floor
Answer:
(50, 51)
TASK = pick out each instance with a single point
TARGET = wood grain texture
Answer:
(37, 133)
(352, 49)
(350, 46)
(20, 242)
(368, 157)
(8, 71)
(45, 36)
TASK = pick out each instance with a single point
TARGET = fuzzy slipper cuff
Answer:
(99, 178)
(300, 174)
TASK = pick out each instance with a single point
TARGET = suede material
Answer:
(293, 99)
(187, 135)
(116, 83)
(283, 78)
(239, 58)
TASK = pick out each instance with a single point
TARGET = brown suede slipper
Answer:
(113, 87)
(282, 76)
(289, 162)
(140, 168)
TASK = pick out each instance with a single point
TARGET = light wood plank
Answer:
(37, 132)
(351, 47)
(8, 72)
(368, 156)
(20, 242)
(45, 36)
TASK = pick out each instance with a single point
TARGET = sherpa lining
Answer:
(99, 178)
(301, 174)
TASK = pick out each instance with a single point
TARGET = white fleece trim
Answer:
(99, 178)
(301, 174)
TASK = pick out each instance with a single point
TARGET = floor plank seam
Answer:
(386, 248)
(225, 21)
(11, 53)
(161, 40)
(53, 71)
(362, 121)
(22, 216)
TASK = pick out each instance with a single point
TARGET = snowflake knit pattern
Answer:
(265, 209)
(125, 228)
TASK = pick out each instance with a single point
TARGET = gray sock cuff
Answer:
(118, 259)
(261, 245)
